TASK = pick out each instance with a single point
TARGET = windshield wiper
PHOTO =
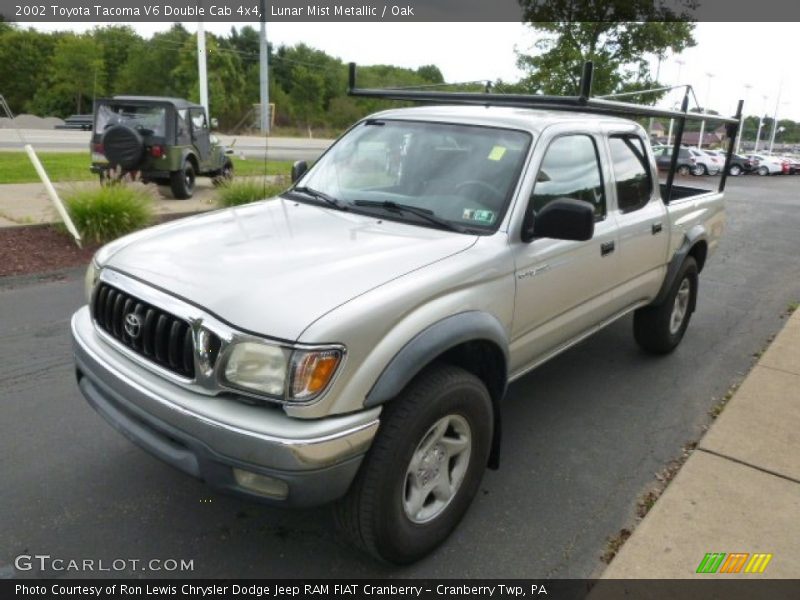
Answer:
(414, 210)
(319, 196)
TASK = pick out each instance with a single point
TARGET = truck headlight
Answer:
(90, 279)
(258, 367)
(292, 375)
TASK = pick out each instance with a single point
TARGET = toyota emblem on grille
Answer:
(133, 325)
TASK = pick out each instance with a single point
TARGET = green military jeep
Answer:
(161, 140)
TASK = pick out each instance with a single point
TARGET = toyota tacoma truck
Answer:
(351, 340)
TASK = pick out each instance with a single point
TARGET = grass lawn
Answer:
(16, 167)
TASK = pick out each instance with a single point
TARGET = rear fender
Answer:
(692, 237)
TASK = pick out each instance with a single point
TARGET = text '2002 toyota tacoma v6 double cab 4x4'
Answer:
(351, 340)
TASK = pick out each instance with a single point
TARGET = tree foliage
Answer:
(619, 36)
(58, 74)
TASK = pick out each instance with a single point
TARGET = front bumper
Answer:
(208, 436)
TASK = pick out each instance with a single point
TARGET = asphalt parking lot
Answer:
(584, 435)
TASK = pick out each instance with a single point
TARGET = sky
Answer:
(760, 55)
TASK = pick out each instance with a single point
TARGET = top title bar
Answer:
(127, 11)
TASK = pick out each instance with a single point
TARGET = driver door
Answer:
(200, 134)
(564, 288)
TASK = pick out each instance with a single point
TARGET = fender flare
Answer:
(431, 342)
(691, 238)
(187, 153)
(434, 341)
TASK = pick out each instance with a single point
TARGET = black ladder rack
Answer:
(584, 102)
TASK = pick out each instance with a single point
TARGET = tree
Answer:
(430, 74)
(117, 42)
(24, 59)
(75, 74)
(225, 79)
(151, 63)
(307, 92)
(619, 36)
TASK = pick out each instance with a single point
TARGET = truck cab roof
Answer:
(526, 119)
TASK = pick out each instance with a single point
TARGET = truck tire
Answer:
(225, 174)
(423, 469)
(182, 182)
(659, 329)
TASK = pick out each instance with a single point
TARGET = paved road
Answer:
(54, 140)
(583, 436)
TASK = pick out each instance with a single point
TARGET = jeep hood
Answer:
(274, 267)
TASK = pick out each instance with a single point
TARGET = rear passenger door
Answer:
(641, 219)
(564, 288)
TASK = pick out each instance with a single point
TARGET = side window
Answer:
(182, 127)
(631, 171)
(198, 120)
(570, 169)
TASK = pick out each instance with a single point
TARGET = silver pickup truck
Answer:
(352, 339)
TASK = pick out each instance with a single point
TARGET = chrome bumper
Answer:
(209, 436)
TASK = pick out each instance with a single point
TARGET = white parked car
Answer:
(707, 163)
(767, 165)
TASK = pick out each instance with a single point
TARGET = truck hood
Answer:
(274, 267)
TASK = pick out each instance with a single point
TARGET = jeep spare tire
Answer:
(123, 146)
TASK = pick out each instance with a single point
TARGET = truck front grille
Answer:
(157, 335)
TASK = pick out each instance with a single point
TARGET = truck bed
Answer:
(679, 192)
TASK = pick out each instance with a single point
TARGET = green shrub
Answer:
(243, 191)
(102, 214)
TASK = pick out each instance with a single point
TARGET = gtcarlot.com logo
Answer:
(46, 562)
(735, 562)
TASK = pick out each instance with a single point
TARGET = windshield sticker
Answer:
(497, 153)
(481, 216)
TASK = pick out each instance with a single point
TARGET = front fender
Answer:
(433, 341)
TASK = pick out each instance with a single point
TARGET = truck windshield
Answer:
(148, 120)
(461, 175)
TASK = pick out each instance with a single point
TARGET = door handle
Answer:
(656, 228)
(606, 248)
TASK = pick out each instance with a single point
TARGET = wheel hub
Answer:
(431, 464)
(437, 469)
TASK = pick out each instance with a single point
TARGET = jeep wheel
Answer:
(659, 329)
(225, 173)
(423, 469)
(182, 182)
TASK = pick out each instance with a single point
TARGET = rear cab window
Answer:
(631, 167)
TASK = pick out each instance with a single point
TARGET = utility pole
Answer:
(705, 110)
(775, 117)
(747, 87)
(263, 72)
(658, 74)
(680, 63)
(201, 68)
(760, 123)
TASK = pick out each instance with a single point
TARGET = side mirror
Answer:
(214, 123)
(561, 219)
(298, 169)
